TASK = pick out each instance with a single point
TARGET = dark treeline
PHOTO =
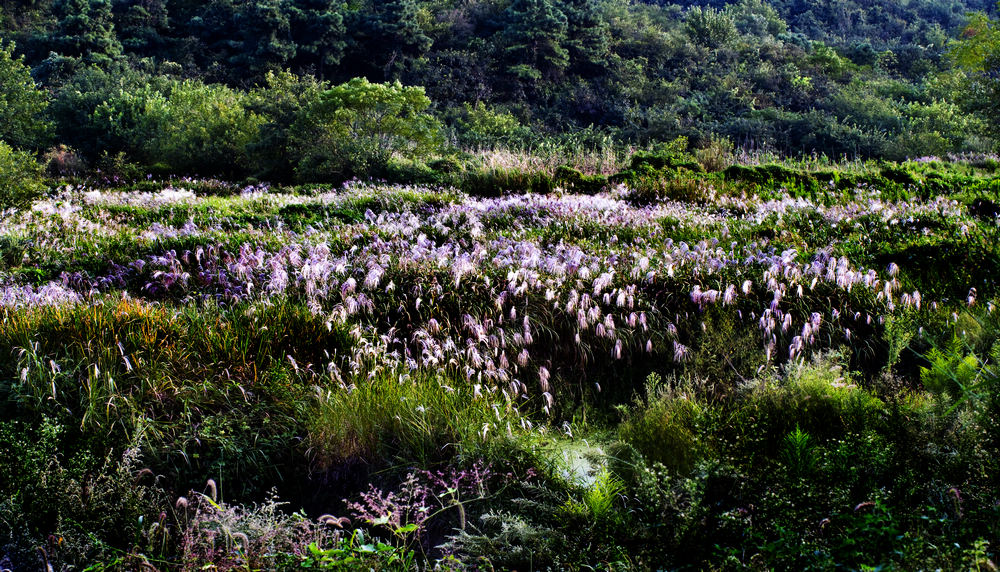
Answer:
(847, 78)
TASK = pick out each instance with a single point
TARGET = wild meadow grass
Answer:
(387, 376)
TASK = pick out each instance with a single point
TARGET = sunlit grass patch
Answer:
(400, 416)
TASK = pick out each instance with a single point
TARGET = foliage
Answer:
(22, 103)
(90, 498)
(598, 502)
(357, 127)
(20, 178)
(215, 534)
(574, 181)
(976, 51)
(482, 127)
(523, 74)
(84, 29)
(191, 127)
(665, 430)
(387, 417)
(278, 103)
(357, 551)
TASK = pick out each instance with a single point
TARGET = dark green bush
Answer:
(498, 181)
(898, 175)
(446, 165)
(773, 177)
(667, 172)
(660, 160)
(647, 185)
(576, 182)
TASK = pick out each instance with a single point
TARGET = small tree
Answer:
(279, 102)
(709, 27)
(534, 40)
(355, 129)
(21, 103)
(85, 29)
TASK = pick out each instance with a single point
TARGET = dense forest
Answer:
(843, 79)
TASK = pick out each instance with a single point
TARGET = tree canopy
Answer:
(849, 77)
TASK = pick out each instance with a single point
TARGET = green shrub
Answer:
(717, 155)
(88, 494)
(279, 102)
(798, 454)
(598, 503)
(76, 101)
(772, 177)
(355, 129)
(20, 178)
(956, 370)
(576, 182)
(816, 397)
(201, 129)
(182, 128)
(411, 172)
(498, 181)
(446, 165)
(665, 430)
(480, 127)
(667, 172)
(898, 175)
(647, 185)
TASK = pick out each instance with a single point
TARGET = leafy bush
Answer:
(664, 173)
(773, 177)
(88, 497)
(76, 100)
(20, 178)
(280, 102)
(480, 127)
(717, 155)
(199, 128)
(62, 161)
(574, 181)
(815, 397)
(356, 128)
(598, 504)
(647, 185)
(482, 182)
(188, 128)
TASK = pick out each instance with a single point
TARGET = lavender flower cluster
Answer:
(499, 291)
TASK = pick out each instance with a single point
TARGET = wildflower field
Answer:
(765, 367)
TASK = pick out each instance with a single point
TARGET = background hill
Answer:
(844, 78)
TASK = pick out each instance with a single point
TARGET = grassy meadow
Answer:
(641, 365)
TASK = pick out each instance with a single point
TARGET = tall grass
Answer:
(399, 416)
